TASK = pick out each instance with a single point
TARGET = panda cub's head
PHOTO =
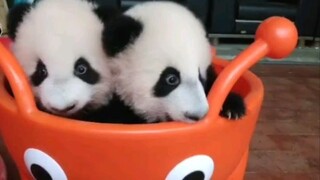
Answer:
(161, 58)
(58, 43)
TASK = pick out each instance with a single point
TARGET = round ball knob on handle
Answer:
(280, 34)
(276, 37)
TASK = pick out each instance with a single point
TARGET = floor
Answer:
(286, 143)
(3, 12)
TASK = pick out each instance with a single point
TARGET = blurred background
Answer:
(233, 22)
(286, 143)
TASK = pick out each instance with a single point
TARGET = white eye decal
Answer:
(42, 166)
(199, 167)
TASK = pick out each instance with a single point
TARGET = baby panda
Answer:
(59, 45)
(161, 61)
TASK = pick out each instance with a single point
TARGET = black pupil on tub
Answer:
(40, 74)
(196, 175)
(168, 81)
(84, 71)
(39, 173)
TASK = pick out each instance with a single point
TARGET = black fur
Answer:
(15, 17)
(234, 103)
(119, 32)
(40, 74)
(105, 13)
(211, 77)
(89, 75)
(162, 88)
(115, 112)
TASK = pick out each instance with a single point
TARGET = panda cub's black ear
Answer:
(120, 31)
(15, 17)
(106, 13)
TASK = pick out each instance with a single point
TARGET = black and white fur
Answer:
(59, 45)
(161, 62)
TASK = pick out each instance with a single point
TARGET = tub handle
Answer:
(276, 37)
(18, 81)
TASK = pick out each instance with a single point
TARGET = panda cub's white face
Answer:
(159, 70)
(58, 43)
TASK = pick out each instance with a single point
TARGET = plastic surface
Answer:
(83, 150)
(3, 171)
(280, 35)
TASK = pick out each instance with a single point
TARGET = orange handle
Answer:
(276, 37)
(18, 81)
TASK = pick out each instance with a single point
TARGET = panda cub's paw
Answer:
(233, 107)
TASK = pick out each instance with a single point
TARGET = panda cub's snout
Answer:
(195, 116)
(197, 105)
(64, 110)
(198, 113)
(57, 102)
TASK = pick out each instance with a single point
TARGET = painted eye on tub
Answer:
(43, 167)
(199, 167)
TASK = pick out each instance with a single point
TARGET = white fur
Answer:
(171, 36)
(59, 32)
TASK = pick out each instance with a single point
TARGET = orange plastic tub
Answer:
(214, 148)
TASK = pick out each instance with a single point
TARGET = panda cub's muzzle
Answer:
(192, 102)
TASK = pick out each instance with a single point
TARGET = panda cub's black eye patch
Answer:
(202, 80)
(40, 74)
(168, 81)
(84, 71)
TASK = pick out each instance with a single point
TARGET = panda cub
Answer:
(59, 45)
(161, 60)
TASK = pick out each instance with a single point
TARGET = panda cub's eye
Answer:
(40, 74)
(80, 69)
(41, 69)
(172, 80)
(168, 81)
(84, 71)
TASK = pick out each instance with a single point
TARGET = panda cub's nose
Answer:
(194, 117)
(196, 114)
(64, 110)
